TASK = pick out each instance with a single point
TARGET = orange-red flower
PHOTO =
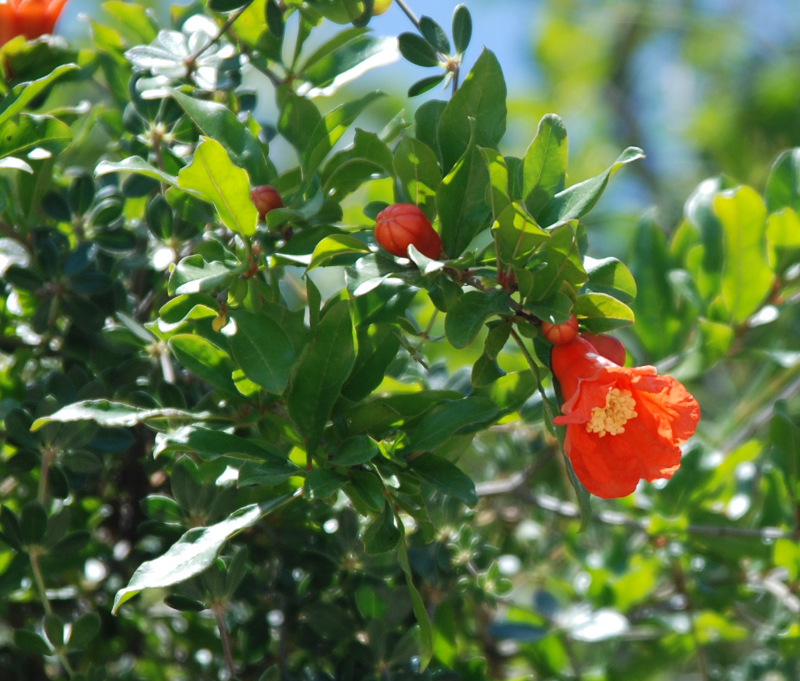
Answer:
(29, 18)
(623, 424)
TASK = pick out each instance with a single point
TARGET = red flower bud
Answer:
(558, 334)
(403, 224)
(607, 346)
(265, 198)
(28, 18)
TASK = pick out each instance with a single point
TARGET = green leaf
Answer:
(33, 523)
(54, 629)
(783, 183)
(24, 93)
(263, 350)
(213, 175)
(26, 131)
(604, 312)
(330, 129)
(463, 203)
(477, 111)
(417, 50)
(298, 120)
(84, 629)
(114, 414)
(462, 28)
(335, 245)
(609, 275)
(747, 277)
(211, 444)
(418, 173)
(349, 169)
(466, 317)
(205, 359)
(136, 164)
(194, 274)
(193, 552)
(347, 55)
(425, 84)
(226, 5)
(544, 168)
(784, 436)
(500, 188)
(445, 477)
(377, 347)
(577, 200)
(382, 534)
(783, 237)
(509, 392)
(220, 123)
(356, 451)
(517, 235)
(31, 642)
(434, 34)
(322, 482)
(452, 417)
(417, 604)
(323, 368)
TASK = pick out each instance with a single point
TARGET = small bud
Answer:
(403, 224)
(559, 334)
(265, 198)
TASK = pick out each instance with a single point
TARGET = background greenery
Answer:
(694, 579)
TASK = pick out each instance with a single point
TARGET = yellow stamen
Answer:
(620, 407)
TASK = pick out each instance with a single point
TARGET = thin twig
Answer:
(219, 615)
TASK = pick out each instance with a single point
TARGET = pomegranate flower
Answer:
(28, 18)
(623, 424)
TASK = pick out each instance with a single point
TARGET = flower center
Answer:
(610, 419)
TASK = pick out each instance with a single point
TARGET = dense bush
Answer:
(242, 439)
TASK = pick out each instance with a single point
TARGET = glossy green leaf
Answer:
(193, 552)
(213, 175)
(477, 111)
(417, 604)
(465, 319)
(783, 238)
(417, 50)
(442, 421)
(378, 345)
(24, 94)
(194, 274)
(500, 187)
(544, 167)
(321, 371)
(26, 131)
(784, 435)
(331, 128)
(382, 533)
(136, 164)
(462, 28)
(577, 200)
(463, 203)
(299, 118)
(206, 360)
(609, 275)
(263, 350)
(434, 34)
(747, 277)
(425, 84)
(603, 311)
(333, 246)
(323, 482)
(113, 414)
(220, 123)
(418, 173)
(517, 235)
(783, 184)
(226, 5)
(356, 451)
(54, 629)
(348, 170)
(347, 55)
(445, 477)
